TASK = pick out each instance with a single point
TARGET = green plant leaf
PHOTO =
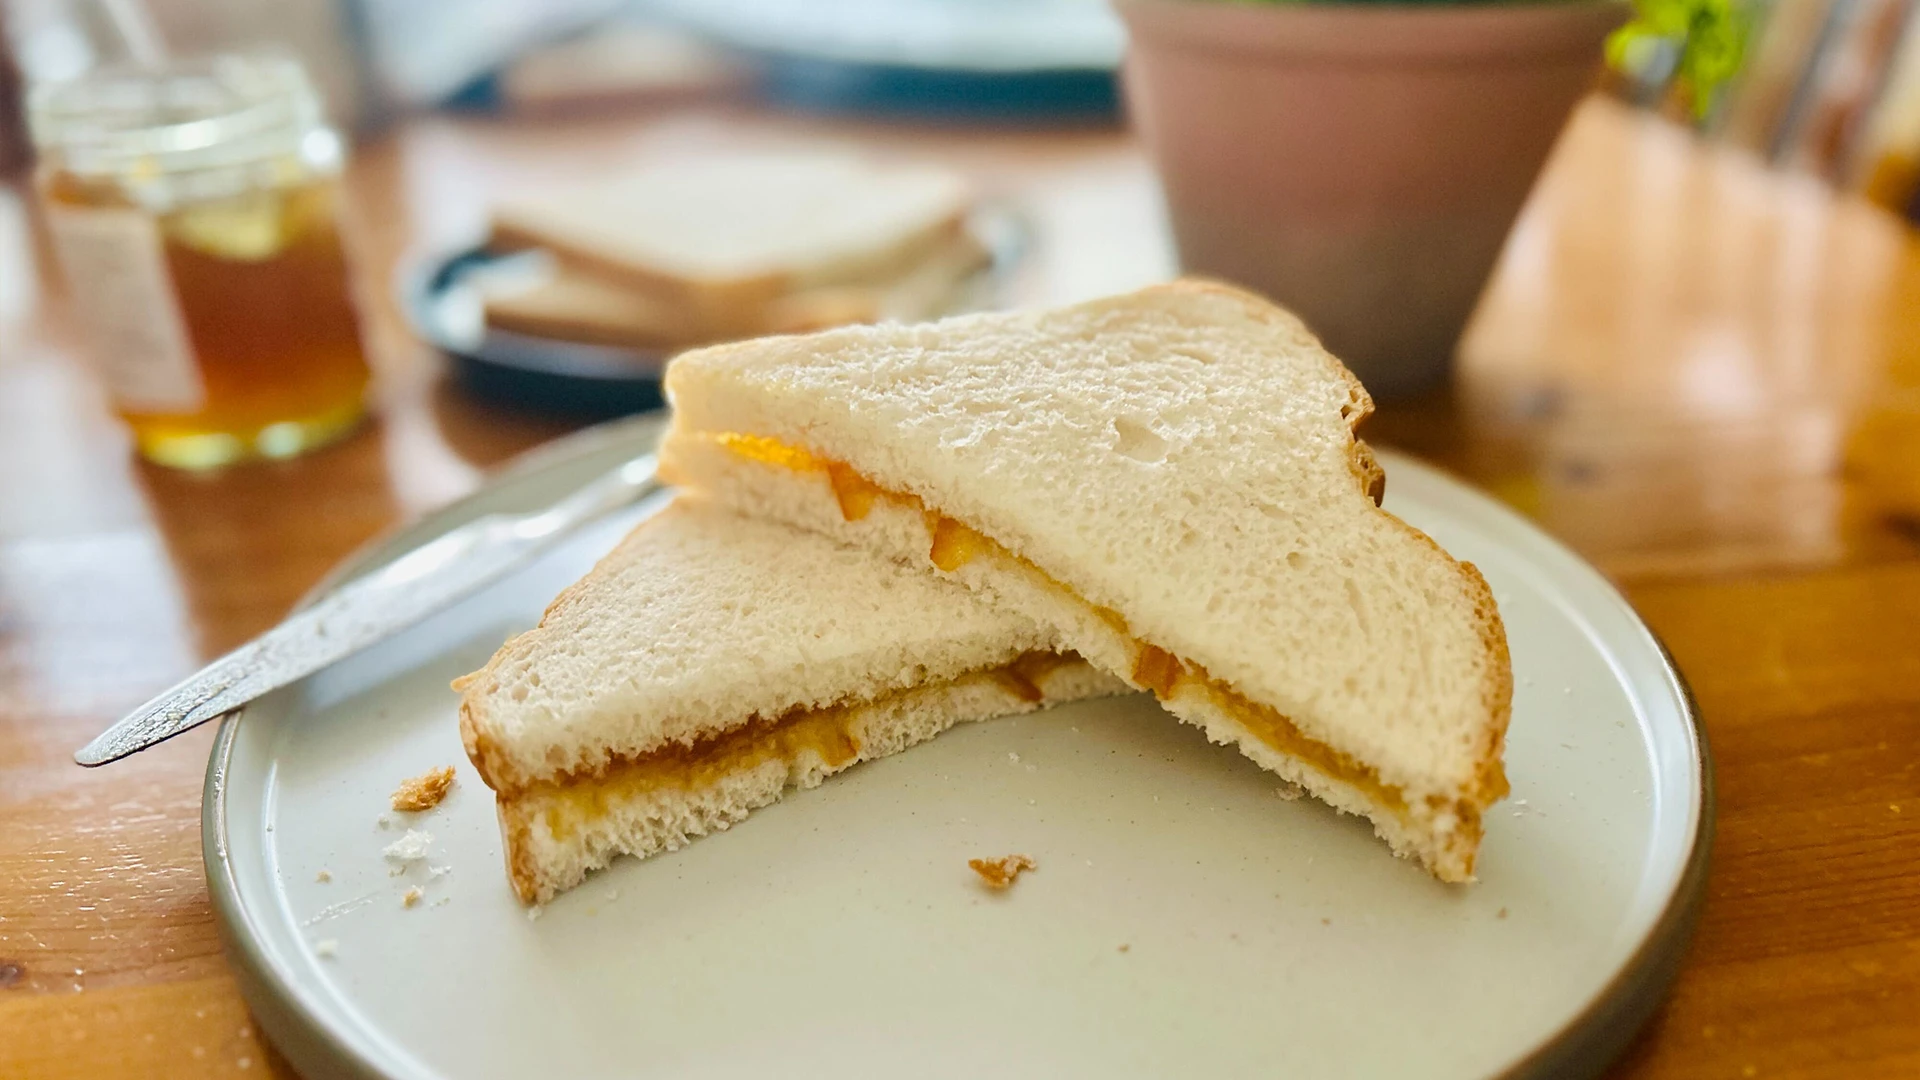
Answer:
(1711, 36)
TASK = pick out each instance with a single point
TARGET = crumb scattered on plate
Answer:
(439, 871)
(423, 792)
(409, 848)
(1126, 948)
(1002, 872)
(326, 948)
(534, 913)
(1289, 792)
(412, 896)
(383, 821)
(323, 876)
(1502, 914)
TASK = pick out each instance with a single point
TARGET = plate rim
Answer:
(1583, 1046)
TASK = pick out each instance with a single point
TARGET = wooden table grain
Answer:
(1702, 375)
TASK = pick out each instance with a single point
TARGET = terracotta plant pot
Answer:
(1359, 163)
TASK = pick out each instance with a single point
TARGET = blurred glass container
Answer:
(194, 208)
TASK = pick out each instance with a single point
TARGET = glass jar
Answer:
(194, 211)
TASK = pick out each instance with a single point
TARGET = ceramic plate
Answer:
(1185, 918)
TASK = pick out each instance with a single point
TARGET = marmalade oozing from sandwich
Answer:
(827, 733)
(952, 544)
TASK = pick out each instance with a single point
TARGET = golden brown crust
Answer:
(1490, 779)
(1366, 468)
(486, 757)
(1491, 785)
(423, 792)
(517, 848)
(1000, 873)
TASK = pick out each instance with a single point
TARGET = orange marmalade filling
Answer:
(579, 800)
(952, 545)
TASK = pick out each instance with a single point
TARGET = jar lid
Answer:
(190, 114)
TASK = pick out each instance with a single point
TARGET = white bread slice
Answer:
(712, 660)
(576, 303)
(725, 234)
(1171, 480)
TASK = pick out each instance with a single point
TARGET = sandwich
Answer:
(565, 301)
(684, 252)
(710, 663)
(1170, 480)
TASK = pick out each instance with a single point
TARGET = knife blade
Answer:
(368, 610)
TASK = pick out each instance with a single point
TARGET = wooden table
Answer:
(1703, 376)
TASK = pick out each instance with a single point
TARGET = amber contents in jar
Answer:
(262, 285)
(196, 214)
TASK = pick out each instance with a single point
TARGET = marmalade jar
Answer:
(194, 212)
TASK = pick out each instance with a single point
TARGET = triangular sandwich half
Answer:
(1171, 480)
(713, 661)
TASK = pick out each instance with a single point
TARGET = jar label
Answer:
(119, 285)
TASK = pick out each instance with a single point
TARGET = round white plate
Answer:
(1184, 920)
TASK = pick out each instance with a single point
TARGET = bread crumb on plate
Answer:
(409, 848)
(423, 792)
(326, 948)
(1002, 872)
(323, 876)
(412, 896)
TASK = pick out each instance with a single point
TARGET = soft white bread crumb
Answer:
(410, 848)
(702, 620)
(665, 817)
(1182, 456)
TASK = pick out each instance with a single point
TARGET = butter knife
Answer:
(370, 609)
